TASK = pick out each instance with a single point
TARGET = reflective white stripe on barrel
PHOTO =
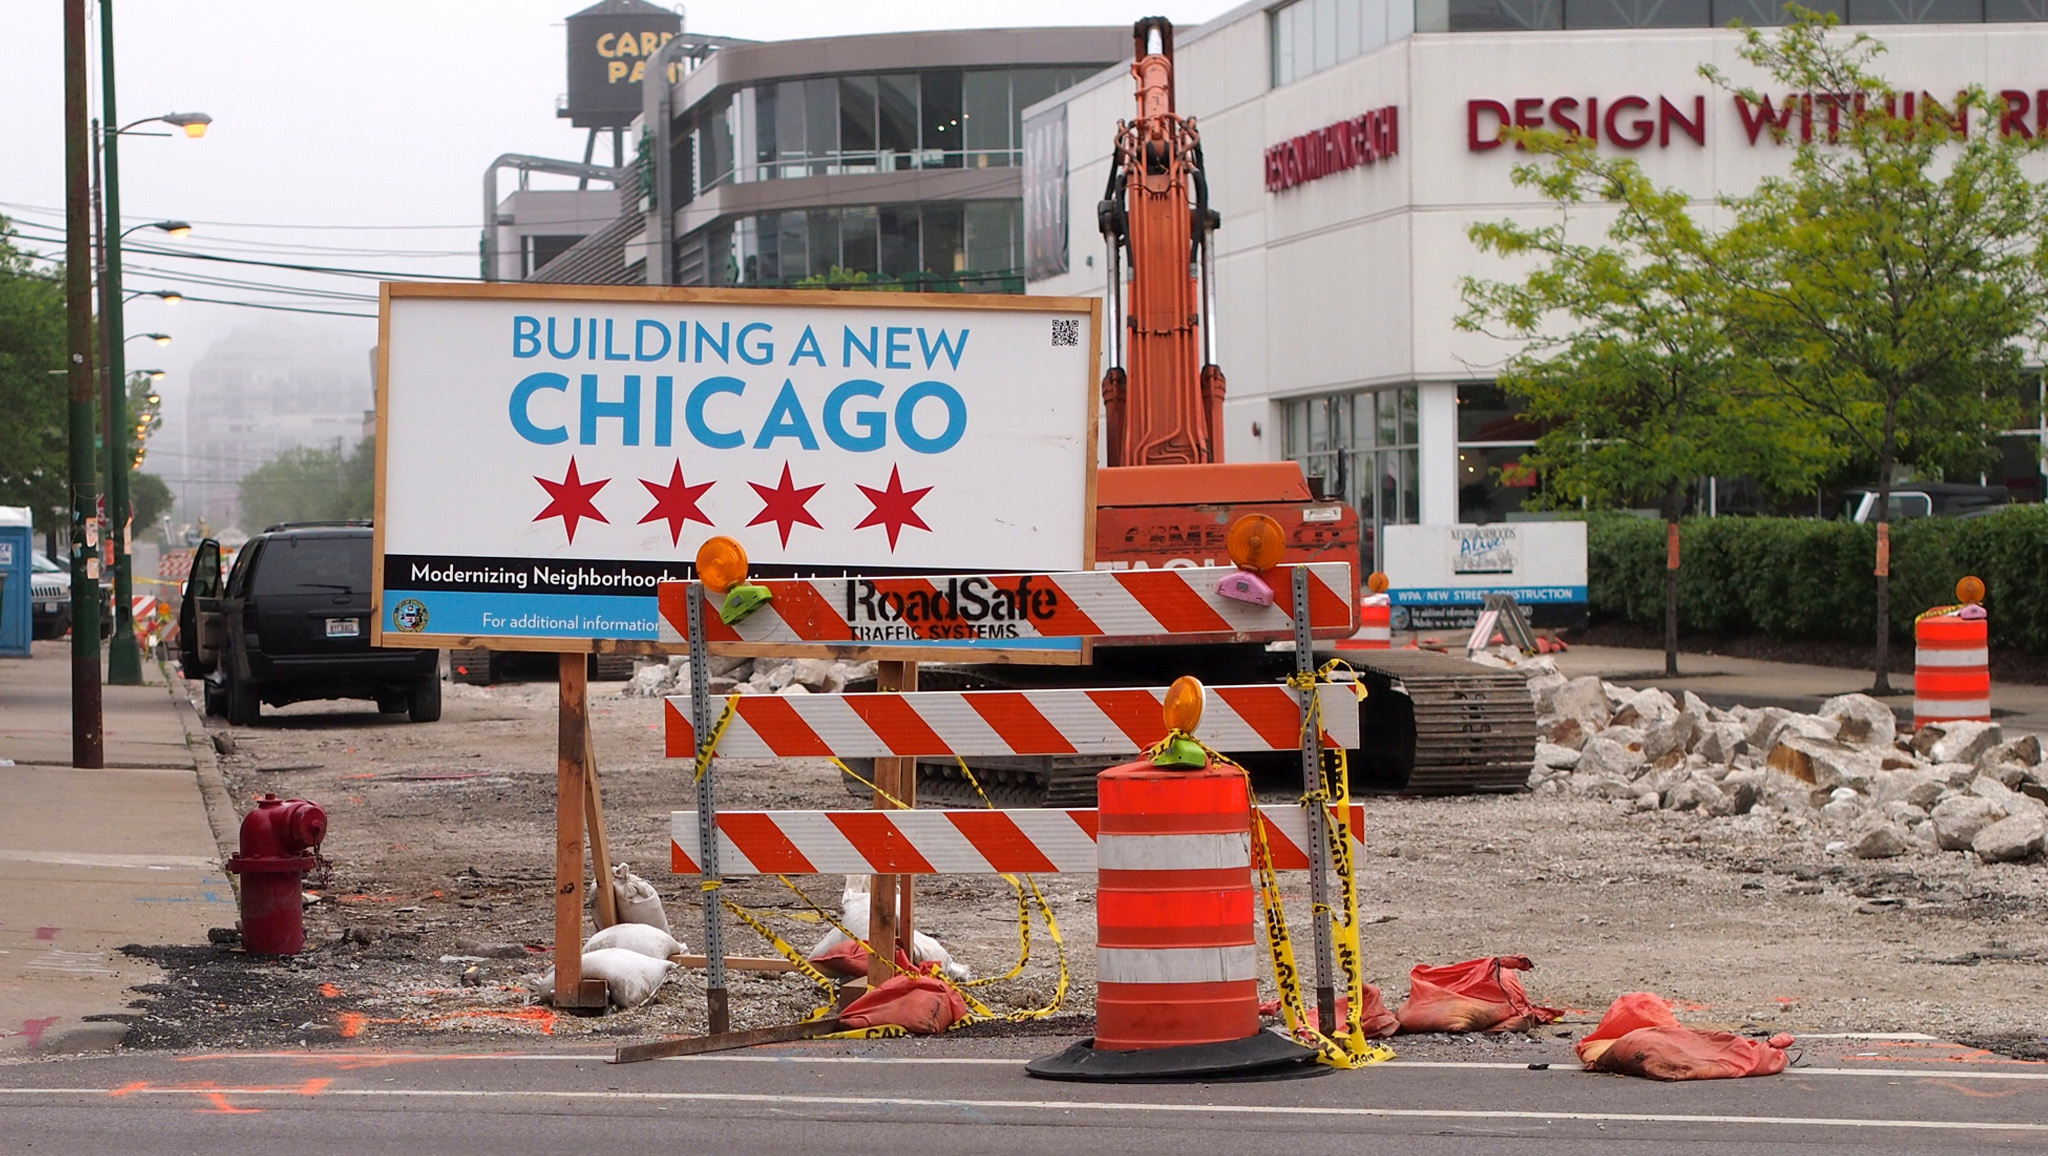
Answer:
(1934, 656)
(1927, 710)
(1173, 852)
(1177, 964)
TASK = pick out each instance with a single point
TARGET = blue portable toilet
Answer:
(17, 537)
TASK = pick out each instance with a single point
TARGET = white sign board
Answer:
(1537, 562)
(547, 454)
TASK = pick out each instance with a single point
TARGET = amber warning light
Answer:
(722, 567)
(1256, 543)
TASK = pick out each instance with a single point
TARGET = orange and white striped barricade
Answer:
(1040, 841)
(1092, 604)
(1375, 625)
(950, 608)
(1952, 668)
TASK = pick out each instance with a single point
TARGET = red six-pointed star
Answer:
(676, 503)
(783, 504)
(569, 500)
(894, 509)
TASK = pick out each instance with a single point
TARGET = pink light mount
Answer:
(1245, 586)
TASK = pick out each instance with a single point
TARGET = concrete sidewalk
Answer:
(1724, 681)
(91, 860)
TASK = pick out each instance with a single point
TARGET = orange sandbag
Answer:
(1373, 1018)
(849, 959)
(1478, 995)
(924, 1005)
(1640, 1037)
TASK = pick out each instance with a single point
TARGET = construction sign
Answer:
(546, 455)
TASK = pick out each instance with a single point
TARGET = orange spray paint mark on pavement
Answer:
(351, 1024)
(329, 991)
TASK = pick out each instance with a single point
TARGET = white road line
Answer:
(1112, 1107)
(1956, 1072)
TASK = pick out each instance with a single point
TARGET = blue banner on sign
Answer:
(1475, 595)
(476, 613)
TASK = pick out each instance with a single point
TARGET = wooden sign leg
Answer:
(571, 737)
(600, 841)
(887, 905)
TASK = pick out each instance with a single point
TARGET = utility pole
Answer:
(87, 746)
(124, 659)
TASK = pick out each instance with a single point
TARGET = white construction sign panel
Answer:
(1539, 563)
(548, 454)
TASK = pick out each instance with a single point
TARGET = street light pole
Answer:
(124, 658)
(87, 739)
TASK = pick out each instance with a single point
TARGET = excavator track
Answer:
(1440, 725)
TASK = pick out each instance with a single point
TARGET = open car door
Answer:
(199, 613)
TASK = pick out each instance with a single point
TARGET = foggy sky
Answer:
(361, 113)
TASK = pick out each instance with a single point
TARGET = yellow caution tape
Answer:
(870, 784)
(1345, 1047)
(732, 703)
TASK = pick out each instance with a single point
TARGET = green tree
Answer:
(151, 498)
(1624, 359)
(309, 484)
(1884, 284)
(32, 439)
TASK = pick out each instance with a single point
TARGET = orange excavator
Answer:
(1166, 498)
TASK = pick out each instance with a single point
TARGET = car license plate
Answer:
(49, 608)
(344, 628)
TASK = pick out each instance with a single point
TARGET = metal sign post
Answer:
(717, 1010)
(1318, 812)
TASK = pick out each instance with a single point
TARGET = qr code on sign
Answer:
(1066, 332)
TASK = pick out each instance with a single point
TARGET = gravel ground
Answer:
(441, 838)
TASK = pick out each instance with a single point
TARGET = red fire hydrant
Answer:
(279, 840)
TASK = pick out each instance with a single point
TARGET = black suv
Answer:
(292, 623)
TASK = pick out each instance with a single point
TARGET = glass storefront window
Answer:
(858, 229)
(897, 116)
(857, 120)
(959, 247)
(939, 118)
(985, 117)
(944, 145)
(1520, 15)
(1354, 443)
(1309, 36)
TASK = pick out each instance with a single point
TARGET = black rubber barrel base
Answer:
(1265, 1056)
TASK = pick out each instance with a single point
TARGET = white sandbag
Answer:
(638, 902)
(854, 911)
(631, 979)
(652, 942)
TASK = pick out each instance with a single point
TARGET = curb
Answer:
(213, 788)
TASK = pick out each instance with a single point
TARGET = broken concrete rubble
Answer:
(1847, 772)
(1861, 720)
(2012, 839)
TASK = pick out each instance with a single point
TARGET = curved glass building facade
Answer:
(891, 159)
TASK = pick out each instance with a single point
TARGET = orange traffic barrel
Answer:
(1177, 948)
(1176, 957)
(1951, 669)
(1375, 625)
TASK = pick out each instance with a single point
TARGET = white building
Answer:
(1339, 290)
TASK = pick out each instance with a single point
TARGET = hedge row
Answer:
(1800, 578)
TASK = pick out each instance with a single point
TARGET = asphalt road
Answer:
(958, 1097)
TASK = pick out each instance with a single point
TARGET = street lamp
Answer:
(169, 296)
(174, 228)
(159, 338)
(152, 374)
(124, 659)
